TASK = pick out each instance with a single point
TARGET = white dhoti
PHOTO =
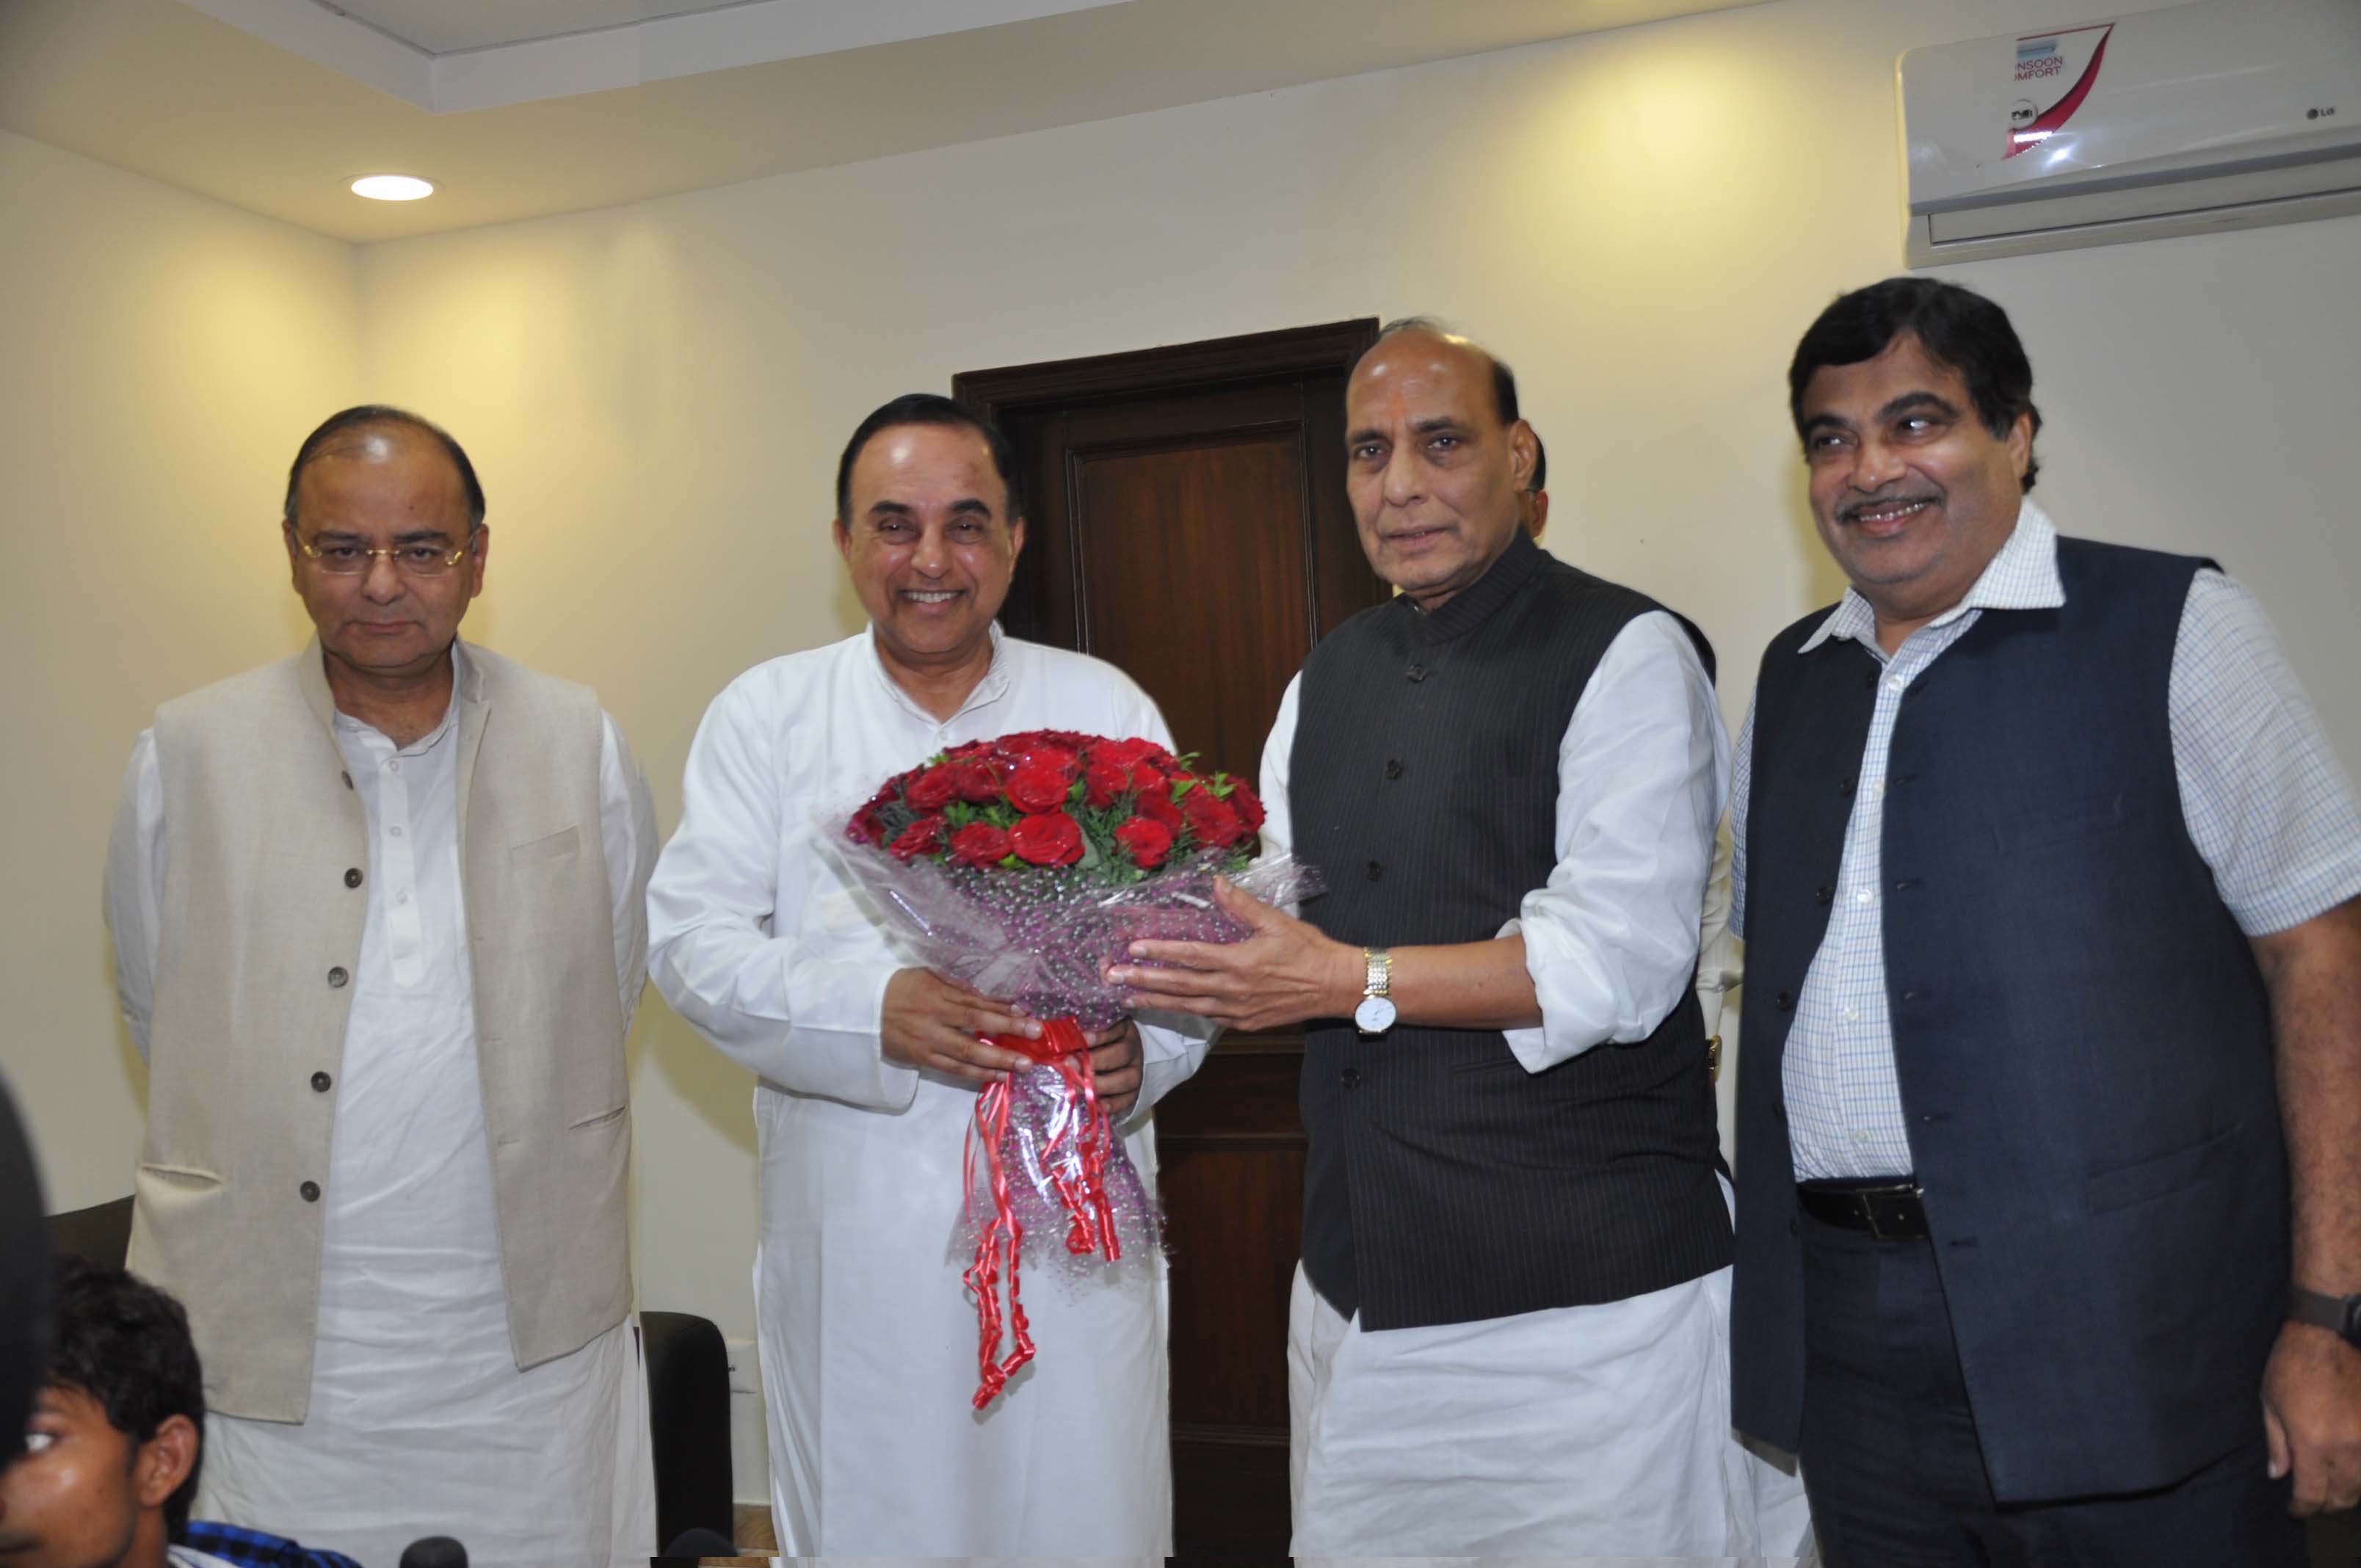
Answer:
(1581, 1432)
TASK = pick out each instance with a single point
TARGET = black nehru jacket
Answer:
(1446, 1183)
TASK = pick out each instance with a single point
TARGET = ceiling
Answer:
(532, 107)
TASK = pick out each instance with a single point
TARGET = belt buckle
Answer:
(1869, 1207)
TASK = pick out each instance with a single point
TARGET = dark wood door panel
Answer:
(1205, 617)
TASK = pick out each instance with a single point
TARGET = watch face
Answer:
(1374, 1016)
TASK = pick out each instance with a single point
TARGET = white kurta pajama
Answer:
(1581, 1432)
(868, 1339)
(419, 1422)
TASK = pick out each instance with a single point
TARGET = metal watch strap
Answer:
(1380, 974)
(2339, 1315)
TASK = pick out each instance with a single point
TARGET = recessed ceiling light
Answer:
(392, 187)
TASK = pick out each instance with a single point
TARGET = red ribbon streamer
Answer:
(1063, 1049)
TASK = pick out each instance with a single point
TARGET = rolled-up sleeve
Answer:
(1611, 938)
(796, 994)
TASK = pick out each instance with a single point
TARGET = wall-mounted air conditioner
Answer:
(2224, 114)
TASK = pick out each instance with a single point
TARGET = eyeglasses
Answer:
(409, 560)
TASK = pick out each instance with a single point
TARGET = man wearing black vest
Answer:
(1509, 1329)
(2047, 873)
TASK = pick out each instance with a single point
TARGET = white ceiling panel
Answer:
(445, 26)
(175, 91)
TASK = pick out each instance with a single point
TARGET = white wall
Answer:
(160, 355)
(1642, 221)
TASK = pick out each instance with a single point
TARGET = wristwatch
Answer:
(1374, 1016)
(2337, 1315)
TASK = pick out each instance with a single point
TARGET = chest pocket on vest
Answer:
(2056, 824)
(553, 846)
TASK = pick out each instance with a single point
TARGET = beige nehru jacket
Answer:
(261, 934)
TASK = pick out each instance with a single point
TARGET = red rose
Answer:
(1101, 782)
(866, 827)
(1146, 841)
(1247, 805)
(979, 779)
(1048, 838)
(935, 788)
(1211, 816)
(1037, 789)
(923, 837)
(1058, 759)
(1156, 806)
(1125, 752)
(980, 844)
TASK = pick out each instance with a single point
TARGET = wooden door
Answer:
(1188, 523)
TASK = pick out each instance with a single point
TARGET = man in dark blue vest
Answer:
(1508, 1330)
(2050, 1106)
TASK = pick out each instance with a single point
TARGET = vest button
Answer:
(1846, 787)
(1824, 895)
(1787, 1000)
(319, 1082)
(1375, 870)
(1351, 1078)
(1913, 995)
(310, 1191)
(1416, 672)
(336, 978)
(352, 876)
(1393, 768)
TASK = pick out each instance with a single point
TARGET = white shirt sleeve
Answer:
(2261, 791)
(1611, 939)
(1172, 1046)
(627, 828)
(1278, 755)
(1721, 956)
(788, 1006)
(135, 887)
(1742, 776)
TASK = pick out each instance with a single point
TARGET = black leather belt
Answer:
(1890, 1210)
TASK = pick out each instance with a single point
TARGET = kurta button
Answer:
(352, 876)
(320, 1081)
(336, 978)
(1351, 1078)
(310, 1191)
(1375, 870)
(349, 781)
(1393, 768)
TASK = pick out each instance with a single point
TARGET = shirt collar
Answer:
(2023, 575)
(991, 689)
(463, 675)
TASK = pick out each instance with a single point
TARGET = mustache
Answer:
(1850, 511)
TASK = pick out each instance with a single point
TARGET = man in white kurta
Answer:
(1544, 1249)
(419, 1419)
(868, 1340)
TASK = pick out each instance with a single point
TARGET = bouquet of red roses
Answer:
(1024, 866)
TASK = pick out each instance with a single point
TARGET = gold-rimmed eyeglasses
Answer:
(346, 559)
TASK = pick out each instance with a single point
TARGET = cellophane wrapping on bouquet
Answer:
(1024, 866)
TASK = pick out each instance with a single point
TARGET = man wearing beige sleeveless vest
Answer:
(378, 931)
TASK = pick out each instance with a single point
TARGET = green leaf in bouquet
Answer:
(959, 814)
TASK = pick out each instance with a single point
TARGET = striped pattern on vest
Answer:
(1444, 1183)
